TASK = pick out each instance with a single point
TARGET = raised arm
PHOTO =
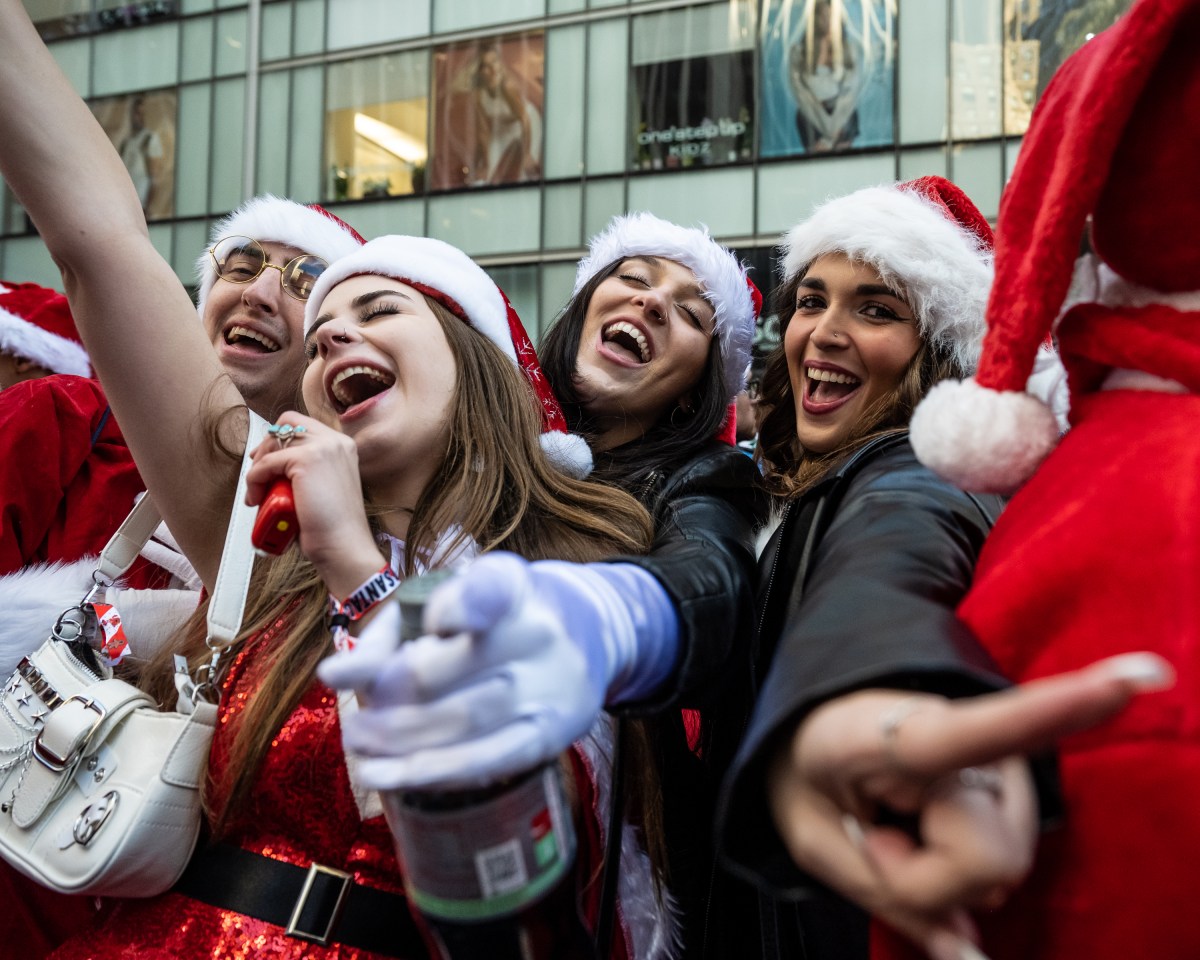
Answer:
(134, 315)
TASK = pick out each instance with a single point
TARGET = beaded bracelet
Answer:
(356, 606)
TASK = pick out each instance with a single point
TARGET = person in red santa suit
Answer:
(1097, 553)
(67, 478)
(37, 335)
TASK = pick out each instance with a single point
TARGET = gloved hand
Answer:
(520, 660)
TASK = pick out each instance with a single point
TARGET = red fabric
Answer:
(1062, 169)
(1099, 554)
(61, 497)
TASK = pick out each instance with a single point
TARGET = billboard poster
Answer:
(142, 128)
(694, 112)
(488, 103)
(828, 76)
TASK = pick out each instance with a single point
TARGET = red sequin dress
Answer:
(302, 809)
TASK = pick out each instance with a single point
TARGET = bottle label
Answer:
(487, 860)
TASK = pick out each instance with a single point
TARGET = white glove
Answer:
(523, 659)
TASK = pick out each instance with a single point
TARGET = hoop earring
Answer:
(679, 410)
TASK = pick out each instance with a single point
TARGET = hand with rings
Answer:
(322, 466)
(921, 809)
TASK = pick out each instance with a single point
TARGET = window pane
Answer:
(604, 199)
(693, 87)
(75, 60)
(488, 221)
(231, 43)
(197, 49)
(136, 59)
(228, 140)
(195, 114)
(305, 166)
(404, 215)
(308, 27)
(142, 128)
(975, 70)
(465, 14)
(923, 70)
(274, 134)
(276, 37)
(376, 115)
(979, 169)
(564, 212)
(558, 280)
(788, 192)
(28, 259)
(607, 82)
(353, 23)
(565, 102)
(828, 76)
(722, 199)
(520, 284)
(489, 98)
(923, 162)
(191, 240)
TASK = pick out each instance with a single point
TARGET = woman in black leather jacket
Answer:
(645, 374)
(884, 295)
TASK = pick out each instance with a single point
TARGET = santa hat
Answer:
(270, 219)
(924, 237)
(36, 323)
(447, 275)
(735, 300)
(1115, 136)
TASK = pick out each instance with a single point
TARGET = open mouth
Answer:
(245, 337)
(627, 338)
(356, 385)
(829, 386)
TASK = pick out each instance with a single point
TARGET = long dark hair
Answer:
(789, 469)
(633, 466)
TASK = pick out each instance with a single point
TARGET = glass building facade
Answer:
(516, 128)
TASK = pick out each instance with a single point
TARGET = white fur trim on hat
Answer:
(24, 339)
(433, 264)
(717, 269)
(979, 439)
(944, 270)
(273, 219)
(569, 452)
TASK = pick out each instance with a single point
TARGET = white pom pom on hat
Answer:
(270, 219)
(448, 275)
(735, 299)
(1105, 140)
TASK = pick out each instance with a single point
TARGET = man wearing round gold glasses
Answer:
(67, 479)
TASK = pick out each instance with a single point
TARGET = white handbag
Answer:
(99, 789)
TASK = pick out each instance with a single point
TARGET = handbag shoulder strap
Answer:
(237, 557)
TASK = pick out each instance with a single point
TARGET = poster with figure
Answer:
(142, 128)
(488, 102)
(828, 75)
(696, 112)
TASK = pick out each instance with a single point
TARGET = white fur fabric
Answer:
(649, 925)
(568, 452)
(21, 338)
(32, 598)
(982, 440)
(430, 263)
(717, 269)
(943, 269)
(273, 219)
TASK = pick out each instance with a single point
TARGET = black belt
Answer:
(319, 903)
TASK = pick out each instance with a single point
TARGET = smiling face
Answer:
(848, 345)
(258, 332)
(382, 372)
(645, 342)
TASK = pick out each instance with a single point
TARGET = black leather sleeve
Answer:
(703, 556)
(877, 611)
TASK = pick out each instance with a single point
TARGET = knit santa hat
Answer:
(307, 227)
(924, 237)
(1114, 137)
(735, 299)
(36, 323)
(447, 275)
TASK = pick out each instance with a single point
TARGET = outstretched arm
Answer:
(134, 315)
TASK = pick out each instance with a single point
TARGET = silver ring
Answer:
(285, 433)
(982, 778)
(889, 726)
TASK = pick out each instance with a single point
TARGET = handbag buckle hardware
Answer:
(316, 871)
(51, 760)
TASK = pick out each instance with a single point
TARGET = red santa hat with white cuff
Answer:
(924, 237)
(453, 279)
(307, 227)
(1113, 134)
(735, 299)
(36, 323)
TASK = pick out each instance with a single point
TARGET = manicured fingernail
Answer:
(1147, 671)
(854, 830)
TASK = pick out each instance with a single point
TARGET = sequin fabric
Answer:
(301, 810)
